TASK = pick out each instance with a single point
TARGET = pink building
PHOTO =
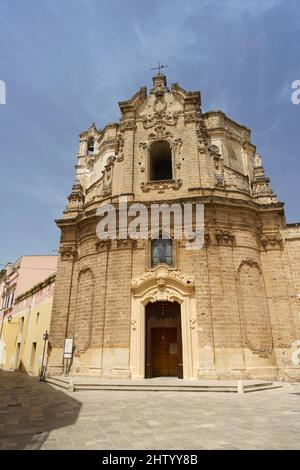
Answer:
(17, 278)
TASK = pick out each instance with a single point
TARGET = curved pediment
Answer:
(163, 276)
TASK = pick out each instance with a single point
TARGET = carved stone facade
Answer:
(238, 295)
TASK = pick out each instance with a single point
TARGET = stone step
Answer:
(64, 382)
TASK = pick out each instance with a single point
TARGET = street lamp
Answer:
(9, 319)
(43, 367)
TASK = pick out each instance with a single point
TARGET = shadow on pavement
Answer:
(30, 409)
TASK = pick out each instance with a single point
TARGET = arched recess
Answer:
(160, 161)
(163, 284)
(84, 310)
(254, 309)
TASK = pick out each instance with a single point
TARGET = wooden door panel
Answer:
(164, 352)
(163, 340)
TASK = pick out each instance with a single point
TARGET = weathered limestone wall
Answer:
(239, 293)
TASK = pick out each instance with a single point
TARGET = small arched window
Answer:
(161, 252)
(91, 146)
(160, 161)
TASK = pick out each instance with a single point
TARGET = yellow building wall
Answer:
(24, 349)
(9, 344)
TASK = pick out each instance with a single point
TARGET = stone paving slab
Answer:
(36, 415)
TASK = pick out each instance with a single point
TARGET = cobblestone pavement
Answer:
(35, 415)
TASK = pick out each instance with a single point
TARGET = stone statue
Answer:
(258, 160)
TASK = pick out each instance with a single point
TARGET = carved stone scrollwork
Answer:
(168, 119)
(160, 104)
(68, 253)
(160, 131)
(271, 241)
(160, 187)
(202, 135)
(214, 151)
(161, 274)
(224, 237)
(262, 188)
(103, 245)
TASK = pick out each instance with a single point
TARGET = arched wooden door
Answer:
(163, 340)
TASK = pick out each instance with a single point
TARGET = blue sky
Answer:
(67, 63)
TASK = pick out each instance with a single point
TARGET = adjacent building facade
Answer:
(141, 308)
(26, 290)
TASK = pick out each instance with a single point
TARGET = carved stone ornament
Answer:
(160, 187)
(159, 86)
(120, 148)
(76, 198)
(68, 253)
(161, 274)
(261, 188)
(219, 173)
(103, 245)
(271, 240)
(219, 179)
(224, 237)
(166, 119)
(107, 176)
(160, 131)
(214, 150)
(257, 160)
(207, 237)
(126, 243)
(261, 183)
(202, 136)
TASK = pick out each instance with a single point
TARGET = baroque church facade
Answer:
(148, 308)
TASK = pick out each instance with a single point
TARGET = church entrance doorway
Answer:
(163, 340)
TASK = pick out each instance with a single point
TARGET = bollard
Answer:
(240, 386)
(71, 386)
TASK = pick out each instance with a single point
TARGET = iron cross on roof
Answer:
(159, 68)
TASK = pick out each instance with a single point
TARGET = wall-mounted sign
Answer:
(68, 349)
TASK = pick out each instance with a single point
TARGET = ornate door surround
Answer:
(163, 284)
